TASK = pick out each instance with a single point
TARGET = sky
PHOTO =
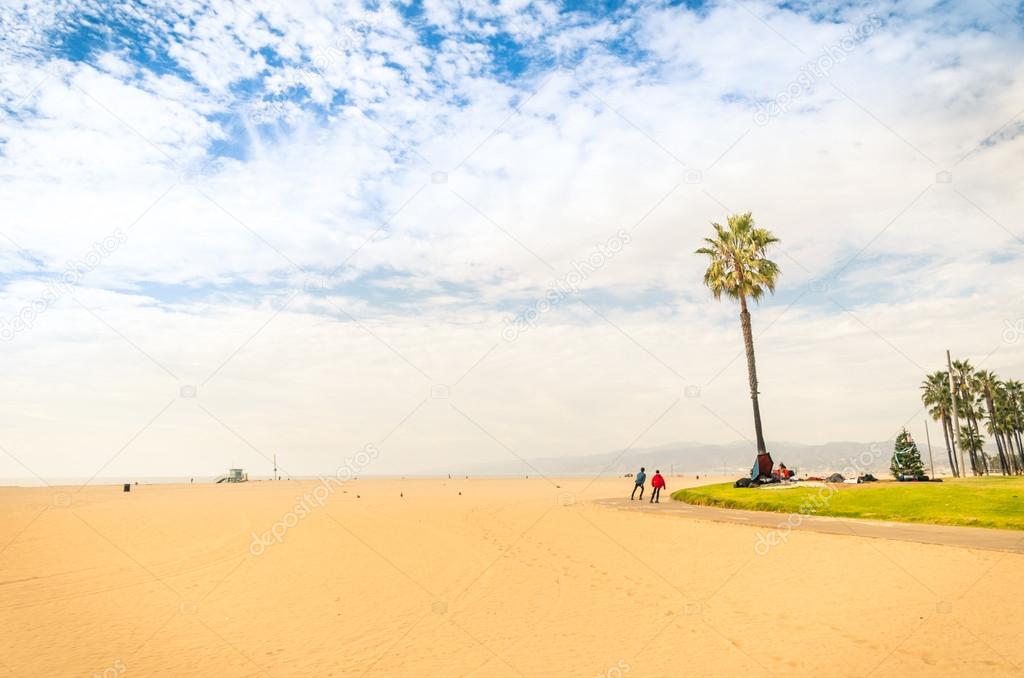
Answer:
(400, 237)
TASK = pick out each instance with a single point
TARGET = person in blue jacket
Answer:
(640, 479)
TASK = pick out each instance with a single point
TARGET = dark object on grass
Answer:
(868, 478)
(742, 482)
(835, 478)
(762, 466)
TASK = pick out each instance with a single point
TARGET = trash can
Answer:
(127, 487)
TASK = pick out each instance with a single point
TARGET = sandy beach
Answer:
(478, 577)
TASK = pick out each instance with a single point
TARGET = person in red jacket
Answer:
(657, 482)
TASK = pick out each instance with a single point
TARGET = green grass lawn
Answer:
(975, 502)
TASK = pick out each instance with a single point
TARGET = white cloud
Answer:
(444, 198)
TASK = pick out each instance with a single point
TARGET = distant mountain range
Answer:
(737, 458)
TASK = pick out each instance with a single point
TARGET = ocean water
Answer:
(141, 480)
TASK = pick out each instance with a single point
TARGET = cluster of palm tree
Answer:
(985, 404)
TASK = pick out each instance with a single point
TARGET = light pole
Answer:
(928, 437)
(956, 417)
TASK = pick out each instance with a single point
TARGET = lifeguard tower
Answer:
(234, 475)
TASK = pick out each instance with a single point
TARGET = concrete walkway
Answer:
(965, 537)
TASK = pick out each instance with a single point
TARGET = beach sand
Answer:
(514, 577)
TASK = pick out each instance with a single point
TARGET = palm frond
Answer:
(738, 265)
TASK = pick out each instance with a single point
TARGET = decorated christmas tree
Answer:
(906, 460)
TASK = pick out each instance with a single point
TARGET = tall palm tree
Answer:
(987, 383)
(1000, 429)
(935, 395)
(1005, 419)
(1013, 417)
(972, 441)
(967, 399)
(1016, 389)
(740, 269)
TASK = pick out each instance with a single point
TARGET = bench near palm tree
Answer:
(740, 269)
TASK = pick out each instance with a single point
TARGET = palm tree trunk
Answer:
(748, 344)
(958, 456)
(1015, 435)
(1002, 455)
(982, 459)
(1008, 451)
(1011, 450)
(968, 423)
(975, 462)
(995, 431)
(1020, 447)
(949, 450)
(990, 403)
(1011, 461)
(990, 407)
